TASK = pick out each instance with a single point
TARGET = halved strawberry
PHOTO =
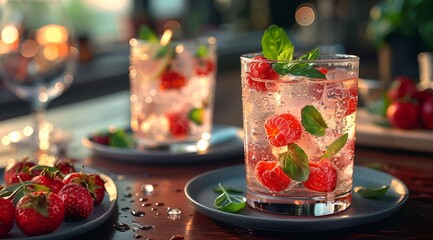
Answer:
(352, 101)
(259, 69)
(204, 66)
(282, 130)
(178, 124)
(323, 176)
(172, 80)
(270, 175)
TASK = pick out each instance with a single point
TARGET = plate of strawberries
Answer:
(52, 202)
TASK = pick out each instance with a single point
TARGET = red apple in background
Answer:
(402, 114)
(426, 114)
(402, 87)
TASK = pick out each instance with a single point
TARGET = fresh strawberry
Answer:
(93, 183)
(352, 101)
(99, 191)
(7, 216)
(322, 70)
(101, 139)
(39, 213)
(282, 130)
(65, 166)
(204, 66)
(261, 70)
(16, 170)
(178, 124)
(323, 176)
(50, 181)
(270, 175)
(77, 200)
(172, 80)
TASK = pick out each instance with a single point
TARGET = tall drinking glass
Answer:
(172, 93)
(38, 59)
(300, 134)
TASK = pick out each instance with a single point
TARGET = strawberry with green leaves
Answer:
(39, 213)
(65, 166)
(77, 200)
(16, 170)
(7, 216)
(92, 182)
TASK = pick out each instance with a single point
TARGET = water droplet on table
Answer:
(122, 227)
(138, 213)
(147, 188)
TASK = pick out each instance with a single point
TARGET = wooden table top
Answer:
(413, 221)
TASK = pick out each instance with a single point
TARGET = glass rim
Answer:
(210, 40)
(329, 58)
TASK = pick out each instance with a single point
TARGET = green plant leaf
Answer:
(336, 146)
(371, 192)
(229, 203)
(274, 42)
(311, 55)
(121, 139)
(304, 70)
(229, 190)
(196, 115)
(201, 51)
(294, 163)
(146, 33)
(313, 121)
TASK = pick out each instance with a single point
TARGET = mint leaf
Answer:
(313, 121)
(371, 192)
(307, 71)
(229, 203)
(227, 189)
(336, 146)
(294, 163)
(311, 55)
(121, 139)
(201, 51)
(274, 42)
(146, 33)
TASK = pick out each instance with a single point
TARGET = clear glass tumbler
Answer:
(299, 133)
(172, 93)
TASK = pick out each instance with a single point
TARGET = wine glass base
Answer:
(53, 142)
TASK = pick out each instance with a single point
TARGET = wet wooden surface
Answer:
(413, 221)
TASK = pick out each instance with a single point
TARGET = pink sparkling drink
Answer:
(299, 134)
(172, 92)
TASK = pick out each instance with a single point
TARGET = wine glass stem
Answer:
(38, 124)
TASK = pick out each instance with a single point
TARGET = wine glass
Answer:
(38, 57)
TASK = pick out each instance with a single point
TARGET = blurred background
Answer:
(386, 34)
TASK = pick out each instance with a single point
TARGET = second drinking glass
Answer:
(172, 93)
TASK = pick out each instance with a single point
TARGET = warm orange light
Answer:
(52, 34)
(29, 48)
(51, 52)
(9, 34)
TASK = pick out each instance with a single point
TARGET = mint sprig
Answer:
(335, 146)
(295, 163)
(146, 33)
(276, 45)
(229, 202)
(371, 192)
(312, 121)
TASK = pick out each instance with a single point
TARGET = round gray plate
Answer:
(67, 230)
(199, 191)
(226, 142)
